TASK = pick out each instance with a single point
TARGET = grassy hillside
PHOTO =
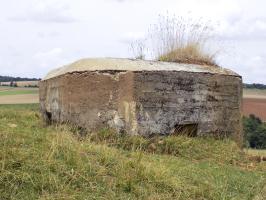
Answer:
(39, 162)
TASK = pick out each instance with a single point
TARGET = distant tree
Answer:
(13, 84)
(258, 139)
(254, 132)
(9, 79)
(254, 86)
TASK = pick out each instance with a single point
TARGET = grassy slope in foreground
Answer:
(40, 162)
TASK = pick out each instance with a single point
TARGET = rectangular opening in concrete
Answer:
(48, 117)
(186, 129)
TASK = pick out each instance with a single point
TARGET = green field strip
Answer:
(17, 92)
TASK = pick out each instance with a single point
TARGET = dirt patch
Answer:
(19, 99)
(256, 106)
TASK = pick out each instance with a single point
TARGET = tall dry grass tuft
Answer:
(138, 49)
(192, 54)
(183, 40)
(179, 39)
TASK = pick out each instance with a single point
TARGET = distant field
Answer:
(22, 83)
(18, 92)
(255, 106)
(254, 102)
(19, 99)
(254, 93)
(4, 88)
(18, 95)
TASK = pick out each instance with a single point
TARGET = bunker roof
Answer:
(122, 64)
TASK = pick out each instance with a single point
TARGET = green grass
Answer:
(17, 91)
(39, 162)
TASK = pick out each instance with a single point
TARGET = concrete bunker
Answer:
(144, 97)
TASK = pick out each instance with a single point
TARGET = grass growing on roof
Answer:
(178, 39)
(183, 40)
(39, 162)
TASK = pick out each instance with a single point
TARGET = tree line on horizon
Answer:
(10, 79)
(254, 86)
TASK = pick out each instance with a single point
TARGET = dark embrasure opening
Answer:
(186, 129)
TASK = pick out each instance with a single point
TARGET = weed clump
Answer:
(199, 148)
(178, 39)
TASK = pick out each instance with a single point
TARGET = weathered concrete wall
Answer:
(145, 102)
(167, 99)
(89, 99)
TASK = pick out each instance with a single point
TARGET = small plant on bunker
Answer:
(138, 49)
(179, 39)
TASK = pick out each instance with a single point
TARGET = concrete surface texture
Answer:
(144, 97)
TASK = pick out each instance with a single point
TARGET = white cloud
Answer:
(128, 37)
(244, 29)
(50, 59)
(48, 34)
(48, 54)
(45, 13)
(33, 31)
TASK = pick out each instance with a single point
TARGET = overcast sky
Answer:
(39, 35)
